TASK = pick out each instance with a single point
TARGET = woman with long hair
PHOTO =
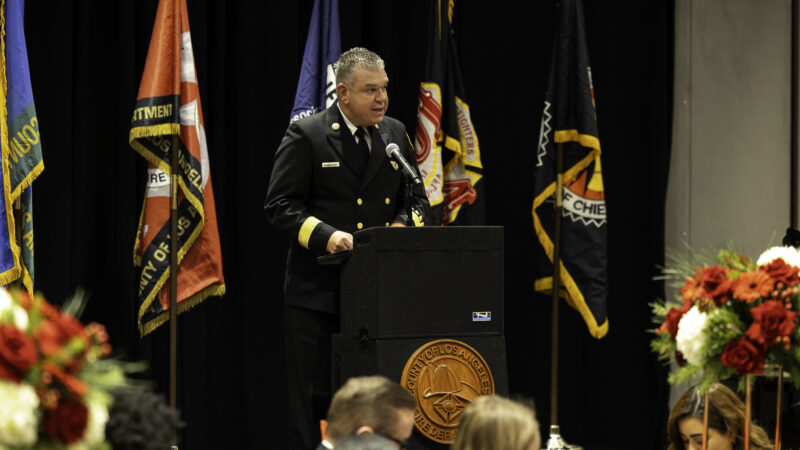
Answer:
(725, 422)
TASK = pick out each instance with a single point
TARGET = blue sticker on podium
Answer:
(482, 316)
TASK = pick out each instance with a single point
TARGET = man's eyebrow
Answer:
(377, 84)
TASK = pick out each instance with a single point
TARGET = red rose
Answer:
(770, 320)
(672, 319)
(716, 284)
(53, 334)
(712, 277)
(67, 422)
(778, 270)
(744, 356)
(17, 353)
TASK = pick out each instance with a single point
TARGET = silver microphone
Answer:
(393, 152)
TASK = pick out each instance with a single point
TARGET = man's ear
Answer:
(364, 429)
(342, 93)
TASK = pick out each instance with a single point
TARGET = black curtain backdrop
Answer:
(86, 60)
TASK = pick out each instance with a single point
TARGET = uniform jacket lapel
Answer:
(342, 142)
(377, 156)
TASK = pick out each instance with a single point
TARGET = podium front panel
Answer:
(388, 357)
(413, 282)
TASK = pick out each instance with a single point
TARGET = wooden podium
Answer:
(424, 307)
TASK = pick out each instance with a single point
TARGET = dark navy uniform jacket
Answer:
(317, 188)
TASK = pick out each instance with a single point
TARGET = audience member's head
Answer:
(140, 419)
(725, 422)
(365, 442)
(372, 404)
(492, 422)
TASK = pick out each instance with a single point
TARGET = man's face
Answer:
(365, 102)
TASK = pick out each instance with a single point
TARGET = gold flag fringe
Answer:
(184, 305)
(13, 273)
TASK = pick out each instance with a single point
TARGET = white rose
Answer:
(790, 256)
(12, 311)
(690, 337)
(5, 299)
(18, 414)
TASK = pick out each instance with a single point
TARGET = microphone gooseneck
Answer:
(393, 152)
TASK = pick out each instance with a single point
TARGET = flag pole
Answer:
(555, 442)
(173, 277)
(556, 283)
(556, 279)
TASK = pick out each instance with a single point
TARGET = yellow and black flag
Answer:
(448, 154)
(168, 104)
(569, 119)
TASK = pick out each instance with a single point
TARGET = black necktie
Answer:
(362, 144)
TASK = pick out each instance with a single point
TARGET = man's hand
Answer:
(340, 241)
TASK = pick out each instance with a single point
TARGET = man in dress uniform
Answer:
(331, 177)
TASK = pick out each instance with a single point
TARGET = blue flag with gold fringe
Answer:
(316, 89)
(21, 151)
(569, 120)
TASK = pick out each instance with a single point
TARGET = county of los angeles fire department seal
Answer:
(445, 376)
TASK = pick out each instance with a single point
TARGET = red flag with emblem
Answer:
(169, 103)
(448, 153)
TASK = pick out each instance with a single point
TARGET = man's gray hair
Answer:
(353, 60)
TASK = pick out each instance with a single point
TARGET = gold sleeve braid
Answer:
(306, 229)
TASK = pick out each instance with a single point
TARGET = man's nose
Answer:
(382, 95)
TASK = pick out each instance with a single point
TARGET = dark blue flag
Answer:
(316, 89)
(22, 151)
(569, 121)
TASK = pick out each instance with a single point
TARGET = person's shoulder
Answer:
(320, 119)
(391, 123)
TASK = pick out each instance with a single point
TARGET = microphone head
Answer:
(391, 148)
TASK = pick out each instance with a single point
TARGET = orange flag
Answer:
(169, 104)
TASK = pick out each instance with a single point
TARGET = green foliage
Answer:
(663, 346)
(684, 373)
(715, 371)
(660, 310)
(732, 259)
(722, 326)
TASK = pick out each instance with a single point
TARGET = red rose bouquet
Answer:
(733, 317)
(54, 382)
